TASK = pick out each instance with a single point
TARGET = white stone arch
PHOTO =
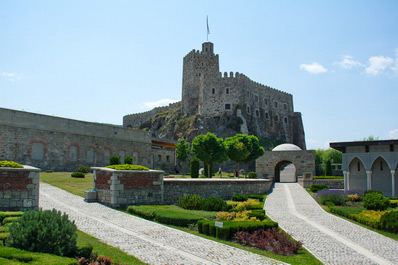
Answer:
(381, 174)
(357, 179)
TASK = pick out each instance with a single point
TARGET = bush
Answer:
(329, 204)
(247, 205)
(256, 197)
(393, 203)
(77, 175)
(83, 169)
(114, 160)
(353, 197)
(369, 218)
(273, 240)
(239, 197)
(252, 175)
(10, 164)
(317, 187)
(214, 204)
(127, 167)
(128, 160)
(190, 202)
(389, 222)
(335, 196)
(10, 219)
(44, 231)
(9, 214)
(375, 201)
(372, 191)
(195, 165)
(346, 211)
(48, 171)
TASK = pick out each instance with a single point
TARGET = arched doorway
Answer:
(285, 171)
(358, 179)
(381, 176)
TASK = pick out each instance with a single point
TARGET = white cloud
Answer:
(377, 64)
(158, 103)
(393, 134)
(348, 62)
(10, 76)
(314, 68)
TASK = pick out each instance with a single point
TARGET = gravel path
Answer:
(331, 239)
(148, 241)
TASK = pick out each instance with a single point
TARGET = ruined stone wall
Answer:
(19, 189)
(59, 144)
(222, 188)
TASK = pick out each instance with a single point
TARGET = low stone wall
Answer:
(223, 188)
(120, 188)
(19, 188)
(331, 183)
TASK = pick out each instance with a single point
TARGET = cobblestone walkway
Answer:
(148, 241)
(331, 239)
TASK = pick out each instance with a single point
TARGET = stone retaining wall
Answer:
(19, 188)
(223, 188)
(331, 183)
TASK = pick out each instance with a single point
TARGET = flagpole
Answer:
(208, 30)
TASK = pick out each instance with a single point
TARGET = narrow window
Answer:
(227, 106)
(276, 118)
(168, 158)
(359, 166)
(227, 91)
(285, 119)
(381, 165)
(213, 91)
(266, 101)
(267, 115)
(256, 98)
(257, 113)
(248, 109)
(285, 106)
(275, 104)
(159, 158)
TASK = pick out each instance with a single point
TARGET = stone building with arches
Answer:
(272, 162)
(370, 165)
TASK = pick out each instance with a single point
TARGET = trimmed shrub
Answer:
(252, 175)
(372, 191)
(144, 213)
(375, 201)
(353, 197)
(273, 240)
(10, 219)
(329, 204)
(258, 214)
(127, 167)
(393, 203)
(239, 197)
(214, 204)
(256, 197)
(114, 160)
(77, 175)
(9, 214)
(389, 222)
(190, 202)
(335, 196)
(369, 218)
(195, 165)
(44, 231)
(248, 205)
(128, 160)
(10, 164)
(83, 169)
(317, 187)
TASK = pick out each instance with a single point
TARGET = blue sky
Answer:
(100, 60)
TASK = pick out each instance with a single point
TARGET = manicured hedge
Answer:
(9, 214)
(346, 211)
(14, 256)
(389, 222)
(10, 164)
(257, 197)
(317, 187)
(127, 167)
(229, 228)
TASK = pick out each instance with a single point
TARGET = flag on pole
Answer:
(207, 22)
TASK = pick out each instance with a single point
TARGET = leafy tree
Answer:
(114, 160)
(237, 148)
(254, 148)
(195, 165)
(370, 138)
(183, 150)
(328, 171)
(208, 148)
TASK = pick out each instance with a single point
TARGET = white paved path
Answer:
(148, 241)
(331, 239)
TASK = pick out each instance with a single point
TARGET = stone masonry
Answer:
(19, 188)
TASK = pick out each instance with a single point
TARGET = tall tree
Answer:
(237, 148)
(183, 150)
(254, 148)
(208, 148)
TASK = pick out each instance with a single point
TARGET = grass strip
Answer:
(63, 180)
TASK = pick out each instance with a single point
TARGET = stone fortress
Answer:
(209, 94)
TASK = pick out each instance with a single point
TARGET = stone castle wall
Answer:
(59, 144)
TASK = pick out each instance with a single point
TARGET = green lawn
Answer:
(64, 181)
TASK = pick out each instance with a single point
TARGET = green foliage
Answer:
(44, 231)
(77, 175)
(259, 214)
(3, 215)
(389, 222)
(237, 148)
(393, 203)
(328, 177)
(230, 228)
(370, 138)
(10, 164)
(254, 148)
(346, 211)
(205, 171)
(183, 150)
(83, 169)
(252, 175)
(375, 201)
(328, 170)
(10, 219)
(114, 160)
(128, 167)
(190, 202)
(372, 191)
(239, 197)
(208, 148)
(260, 198)
(128, 160)
(214, 204)
(324, 156)
(317, 187)
(15, 256)
(195, 165)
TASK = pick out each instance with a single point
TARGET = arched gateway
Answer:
(286, 157)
